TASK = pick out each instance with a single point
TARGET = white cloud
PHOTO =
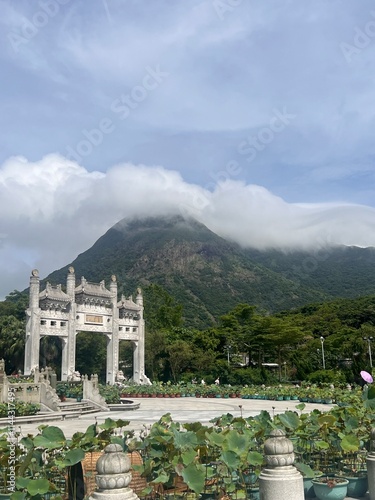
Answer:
(53, 209)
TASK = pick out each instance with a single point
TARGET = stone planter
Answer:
(253, 493)
(331, 489)
(308, 487)
(357, 486)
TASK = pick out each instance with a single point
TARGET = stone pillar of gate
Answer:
(32, 343)
(141, 339)
(64, 358)
(70, 347)
(113, 337)
(136, 372)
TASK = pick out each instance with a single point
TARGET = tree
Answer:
(161, 309)
(91, 354)
(15, 305)
(12, 343)
(241, 329)
(156, 354)
(163, 318)
(180, 355)
(278, 335)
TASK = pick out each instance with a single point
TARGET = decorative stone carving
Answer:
(113, 475)
(279, 449)
(120, 377)
(74, 377)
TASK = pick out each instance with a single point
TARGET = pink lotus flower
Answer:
(366, 377)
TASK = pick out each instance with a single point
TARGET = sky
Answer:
(255, 117)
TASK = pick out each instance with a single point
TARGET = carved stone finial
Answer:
(35, 273)
(113, 278)
(71, 270)
(113, 475)
(279, 449)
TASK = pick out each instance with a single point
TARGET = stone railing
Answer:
(91, 392)
(38, 392)
(48, 396)
(41, 391)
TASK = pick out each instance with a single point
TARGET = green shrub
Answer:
(111, 393)
(327, 376)
(248, 376)
(20, 408)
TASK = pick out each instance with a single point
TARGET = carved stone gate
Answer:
(88, 307)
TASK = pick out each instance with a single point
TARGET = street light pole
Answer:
(369, 340)
(228, 351)
(323, 359)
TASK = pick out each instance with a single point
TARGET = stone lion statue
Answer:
(74, 377)
(120, 378)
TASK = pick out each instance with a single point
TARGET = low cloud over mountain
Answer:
(53, 209)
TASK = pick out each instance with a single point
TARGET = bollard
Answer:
(280, 480)
(113, 475)
(371, 467)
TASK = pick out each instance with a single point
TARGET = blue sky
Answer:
(255, 117)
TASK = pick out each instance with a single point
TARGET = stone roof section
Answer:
(93, 289)
(128, 303)
(54, 292)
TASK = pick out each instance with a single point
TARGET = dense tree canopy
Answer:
(242, 347)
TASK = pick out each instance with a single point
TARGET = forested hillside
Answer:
(235, 349)
(336, 271)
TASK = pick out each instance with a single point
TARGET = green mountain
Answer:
(336, 271)
(204, 272)
(210, 275)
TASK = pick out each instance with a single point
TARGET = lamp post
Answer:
(228, 351)
(369, 340)
(323, 359)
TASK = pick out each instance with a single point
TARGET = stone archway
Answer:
(88, 307)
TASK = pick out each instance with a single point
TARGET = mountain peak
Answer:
(159, 223)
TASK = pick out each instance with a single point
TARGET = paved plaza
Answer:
(188, 409)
